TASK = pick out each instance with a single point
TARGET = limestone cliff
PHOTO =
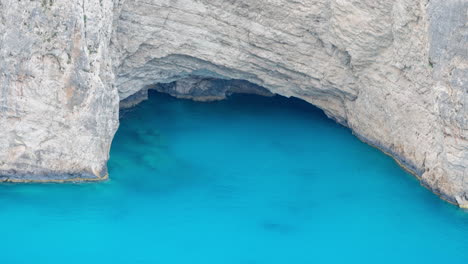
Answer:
(58, 104)
(395, 72)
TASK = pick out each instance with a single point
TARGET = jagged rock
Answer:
(395, 72)
(208, 89)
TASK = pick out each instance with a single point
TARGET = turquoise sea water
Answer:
(247, 180)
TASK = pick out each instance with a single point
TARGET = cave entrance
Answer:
(227, 118)
(198, 89)
(264, 177)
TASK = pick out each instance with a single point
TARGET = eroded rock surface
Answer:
(395, 72)
(58, 105)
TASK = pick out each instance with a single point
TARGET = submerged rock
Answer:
(395, 72)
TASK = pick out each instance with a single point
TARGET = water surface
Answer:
(246, 180)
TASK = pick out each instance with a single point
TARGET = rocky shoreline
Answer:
(394, 72)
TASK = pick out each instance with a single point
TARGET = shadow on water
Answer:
(246, 180)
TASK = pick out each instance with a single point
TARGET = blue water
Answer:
(247, 180)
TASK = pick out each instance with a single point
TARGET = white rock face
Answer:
(394, 71)
(58, 105)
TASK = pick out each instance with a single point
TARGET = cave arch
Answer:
(370, 75)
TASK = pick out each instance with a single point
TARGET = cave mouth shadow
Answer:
(208, 89)
(196, 89)
(142, 145)
(221, 94)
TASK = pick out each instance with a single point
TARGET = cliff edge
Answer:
(394, 72)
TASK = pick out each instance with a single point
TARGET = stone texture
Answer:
(208, 89)
(395, 72)
(58, 105)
